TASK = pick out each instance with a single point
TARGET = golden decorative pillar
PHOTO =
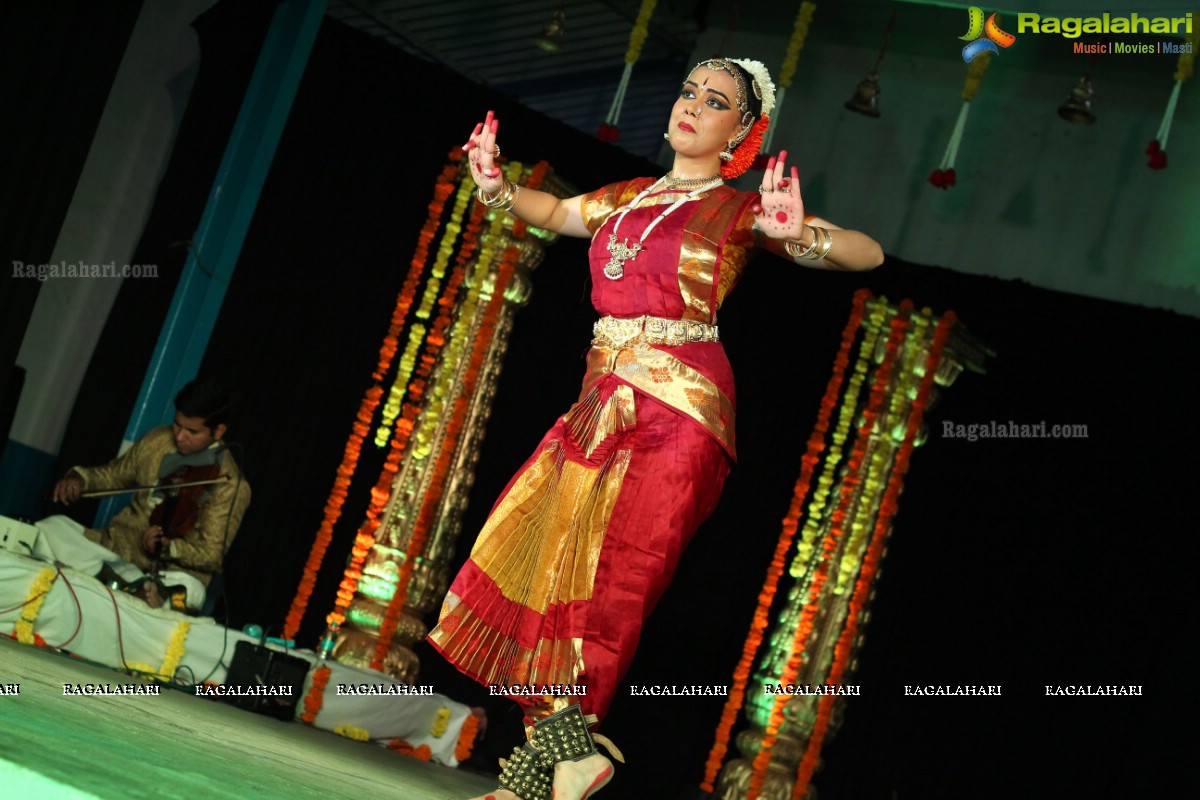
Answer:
(849, 494)
(430, 578)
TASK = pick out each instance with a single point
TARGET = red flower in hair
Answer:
(745, 153)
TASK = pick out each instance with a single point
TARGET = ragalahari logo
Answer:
(984, 37)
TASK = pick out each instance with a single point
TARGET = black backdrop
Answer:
(1021, 563)
(60, 62)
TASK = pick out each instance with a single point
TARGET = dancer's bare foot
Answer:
(578, 780)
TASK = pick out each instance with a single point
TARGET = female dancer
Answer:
(586, 536)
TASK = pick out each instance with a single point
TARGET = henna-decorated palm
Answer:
(482, 151)
(780, 212)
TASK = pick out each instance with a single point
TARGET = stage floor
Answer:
(180, 746)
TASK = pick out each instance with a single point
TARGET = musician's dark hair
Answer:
(207, 399)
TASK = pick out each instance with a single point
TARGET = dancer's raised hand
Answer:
(482, 151)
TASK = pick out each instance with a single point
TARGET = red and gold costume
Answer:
(586, 536)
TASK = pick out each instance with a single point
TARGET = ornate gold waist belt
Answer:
(618, 333)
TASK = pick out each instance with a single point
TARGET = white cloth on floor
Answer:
(61, 539)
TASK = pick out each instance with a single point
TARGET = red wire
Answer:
(78, 611)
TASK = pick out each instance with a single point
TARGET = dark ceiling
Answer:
(491, 42)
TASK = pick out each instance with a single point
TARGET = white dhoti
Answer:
(60, 539)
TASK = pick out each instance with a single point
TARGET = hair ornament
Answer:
(764, 87)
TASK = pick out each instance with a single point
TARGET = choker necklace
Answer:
(623, 251)
(689, 183)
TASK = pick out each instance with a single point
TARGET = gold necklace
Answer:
(622, 251)
(688, 183)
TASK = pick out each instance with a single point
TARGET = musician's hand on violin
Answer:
(153, 540)
(67, 490)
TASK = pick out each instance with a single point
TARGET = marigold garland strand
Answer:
(874, 554)
(433, 494)
(876, 315)
(417, 331)
(832, 539)
(808, 461)
(34, 599)
(466, 738)
(609, 130)
(914, 345)
(316, 695)
(788, 70)
(370, 402)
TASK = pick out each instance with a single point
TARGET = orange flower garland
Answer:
(466, 737)
(433, 495)
(316, 695)
(862, 588)
(364, 540)
(766, 597)
(829, 546)
(418, 332)
(404, 748)
(873, 321)
(333, 510)
(915, 344)
(442, 191)
(370, 402)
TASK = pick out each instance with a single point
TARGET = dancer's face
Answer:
(705, 117)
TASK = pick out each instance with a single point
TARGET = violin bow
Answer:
(111, 492)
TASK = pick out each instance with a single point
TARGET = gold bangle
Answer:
(799, 250)
(504, 198)
(825, 245)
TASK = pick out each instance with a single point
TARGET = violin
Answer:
(183, 484)
(182, 491)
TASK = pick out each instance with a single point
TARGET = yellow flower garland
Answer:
(441, 723)
(353, 732)
(1187, 60)
(640, 30)
(418, 331)
(446, 248)
(171, 656)
(175, 650)
(908, 380)
(430, 423)
(33, 605)
(796, 43)
(975, 75)
(849, 406)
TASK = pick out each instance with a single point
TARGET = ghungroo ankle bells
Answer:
(525, 774)
(562, 736)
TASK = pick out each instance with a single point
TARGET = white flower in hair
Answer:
(762, 82)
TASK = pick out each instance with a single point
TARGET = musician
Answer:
(204, 519)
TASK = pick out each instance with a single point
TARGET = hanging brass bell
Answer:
(1078, 107)
(551, 39)
(866, 96)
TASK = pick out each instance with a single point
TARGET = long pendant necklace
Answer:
(622, 252)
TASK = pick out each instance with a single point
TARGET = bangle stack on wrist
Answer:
(504, 198)
(821, 242)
